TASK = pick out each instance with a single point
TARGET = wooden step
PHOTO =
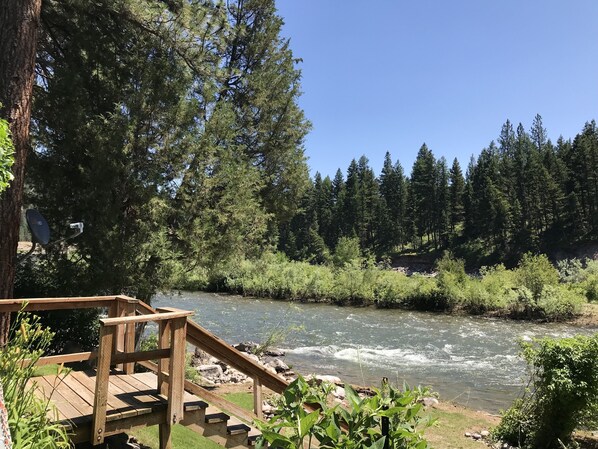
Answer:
(252, 439)
(195, 405)
(237, 429)
(216, 417)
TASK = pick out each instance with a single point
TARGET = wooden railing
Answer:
(118, 333)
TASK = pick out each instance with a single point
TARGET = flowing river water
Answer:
(472, 361)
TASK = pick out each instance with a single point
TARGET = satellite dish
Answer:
(40, 231)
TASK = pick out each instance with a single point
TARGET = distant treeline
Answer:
(522, 193)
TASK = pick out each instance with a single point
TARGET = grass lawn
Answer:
(182, 437)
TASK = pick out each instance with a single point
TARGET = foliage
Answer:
(562, 397)
(172, 130)
(583, 276)
(6, 155)
(347, 252)
(535, 272)
(44, 276)
(522, 193)
(293, 427)
(28, 419)
(150, 342)
(496, 290)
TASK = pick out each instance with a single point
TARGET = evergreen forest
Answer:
(522, 193)
(173, 131)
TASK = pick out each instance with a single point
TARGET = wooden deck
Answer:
(114, 399)
(133, 401)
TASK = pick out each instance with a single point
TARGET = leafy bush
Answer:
(28, 419)
(584, 276)
(534, 272)
(6, 155)
(150, 342)
(292, 427)
(563, 395)
(347, 252)
(531, 291)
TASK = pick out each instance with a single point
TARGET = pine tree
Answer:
(442, 204)
(338, 199)
(394, 193)
(456, 193)
(350, 207)
(423, 193)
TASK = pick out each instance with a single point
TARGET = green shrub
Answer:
(563, 393)
(28, 419)
(557, 302)
(292, 427)
(6, 155)
(534, 272)
(347, 252)
(582, 276)
(362, 283)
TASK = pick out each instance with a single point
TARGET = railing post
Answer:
(177, 329)
(98, 425)
(176, 374)
(163, 364)
(257, 398)
(129, 337)
(117, 311)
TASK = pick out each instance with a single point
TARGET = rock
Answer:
(468, 434)
(210, 372)
(267, 408)
(476, 436)
(274, 352)
(253, 357)
(247, 346)
(318, 379)
(222, 365)
(430, 402)
(236, 377)
(278, 365)
(485, 434)
(201, 358)
(270, 369)
(339, 393)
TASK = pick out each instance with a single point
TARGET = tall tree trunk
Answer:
(19, 23)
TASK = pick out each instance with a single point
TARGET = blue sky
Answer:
(384, 75)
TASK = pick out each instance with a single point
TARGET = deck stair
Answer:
(114, 398)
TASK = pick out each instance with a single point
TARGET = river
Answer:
(472, 361)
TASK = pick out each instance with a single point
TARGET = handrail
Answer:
(44, 304)
(215, 346)
(122, 319)
(172, 346)
(145, 318)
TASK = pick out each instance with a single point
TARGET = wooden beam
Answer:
(215, 346)
(176, 374)
(257, 398)
(210, 397)
(145, 318)
(67, 358)
(129, 336)
(41, 304)
(163, 364)
(98, 422)
(118, 358)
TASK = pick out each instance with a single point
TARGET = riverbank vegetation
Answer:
(533, 290)
(562, 394)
